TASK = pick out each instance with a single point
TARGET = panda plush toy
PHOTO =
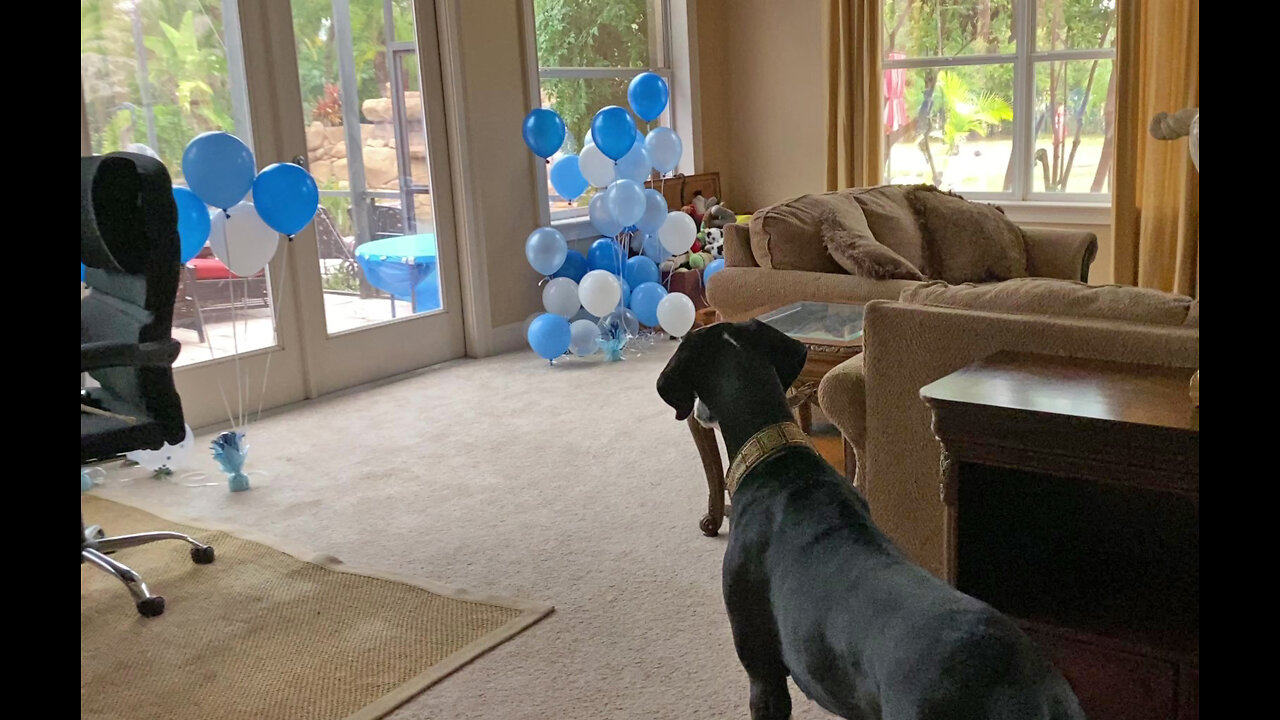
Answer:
(714, 242)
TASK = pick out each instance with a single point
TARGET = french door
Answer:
(350, 89)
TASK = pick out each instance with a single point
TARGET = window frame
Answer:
(1024, 60)
(660, 46)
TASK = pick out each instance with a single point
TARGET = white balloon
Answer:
(582, 337)
(560, 297)
(676, 313)
(243, 242)
(600, 292)
(168, 456)
(596, 167)
(678, 232)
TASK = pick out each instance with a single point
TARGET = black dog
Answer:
(814, 590)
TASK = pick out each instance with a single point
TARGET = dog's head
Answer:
(714, 364)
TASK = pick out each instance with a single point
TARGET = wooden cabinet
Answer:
(1072, 489)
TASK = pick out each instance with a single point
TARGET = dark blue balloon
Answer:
(648, 95)
(193, 223)
(543, 131)
(626, 292)
(286, 197)
(567, 179)
(644, 302)
(605, 254)
(640, 270)
(219, 168)
(614, 131)
(549, 335)
(81, 272)
(574, 267)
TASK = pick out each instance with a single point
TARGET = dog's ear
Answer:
(675, 384)
(785, 353)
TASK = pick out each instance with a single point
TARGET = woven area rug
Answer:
(264, 634)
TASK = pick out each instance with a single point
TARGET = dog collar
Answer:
(761, 446)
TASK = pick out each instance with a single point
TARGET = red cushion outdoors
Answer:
(211, 268)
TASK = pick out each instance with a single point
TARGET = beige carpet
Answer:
(571, 484)
(262, 634)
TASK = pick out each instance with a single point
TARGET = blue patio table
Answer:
(404, 266)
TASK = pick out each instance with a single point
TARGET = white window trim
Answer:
(679, 29)
(1024, 201)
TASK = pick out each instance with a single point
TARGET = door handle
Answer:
(300, 160)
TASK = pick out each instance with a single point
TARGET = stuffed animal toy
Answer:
(714, 219)
(686, 261)
(713, 242)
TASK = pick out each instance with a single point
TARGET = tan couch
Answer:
(779, 258)
(874, 398)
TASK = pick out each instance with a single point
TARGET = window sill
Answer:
(1057, 213)
(576, 227)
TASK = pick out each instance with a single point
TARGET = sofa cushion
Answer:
(892, 221)
(1063, 298)
(786, 236)
(859, 253)
(966, 241)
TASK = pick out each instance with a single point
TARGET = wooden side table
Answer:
(832, 333)
(1072, 492)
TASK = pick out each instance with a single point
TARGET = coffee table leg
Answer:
(709, 450)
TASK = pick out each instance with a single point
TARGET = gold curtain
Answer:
(1156, 189)
(855, 101)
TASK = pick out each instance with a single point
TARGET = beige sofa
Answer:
(780, 258)
(874, 398)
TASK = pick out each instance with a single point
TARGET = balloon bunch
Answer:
(617, 282)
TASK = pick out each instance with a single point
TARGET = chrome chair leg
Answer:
(148, 605)
(200, 553)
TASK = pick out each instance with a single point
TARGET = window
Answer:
(588, 51)
(1001, 99)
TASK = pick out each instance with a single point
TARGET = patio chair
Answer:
(332, 245)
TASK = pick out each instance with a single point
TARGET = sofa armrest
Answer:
(1062, 254)
(842, 395)
(739, 293)
(737, 246)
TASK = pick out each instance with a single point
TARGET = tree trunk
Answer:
(1108, 142)
(1084, 104)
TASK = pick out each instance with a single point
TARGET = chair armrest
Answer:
(737, 246)
(842, 395)
(740, 293)
(98, 355)
(1062, 254)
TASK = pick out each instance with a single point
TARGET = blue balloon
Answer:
(713, 267)
(546, 250)
(601, 219)
(81, 272)
(655, 212)
(640, 270)
(286, 197)
(654, 250)
(614, 131)
(635, 165)
(625, 202)
(549, 335)
(193, 223)
(648, 95)
(574, 267)
(644, 302)
(219, 168)
(626, 292)
(605, 254)
(567, 179)
(543, 131)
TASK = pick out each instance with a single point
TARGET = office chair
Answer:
(129, 245)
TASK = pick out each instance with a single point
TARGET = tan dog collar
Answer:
(760, 447)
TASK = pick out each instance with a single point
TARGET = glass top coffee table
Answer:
(832, 333)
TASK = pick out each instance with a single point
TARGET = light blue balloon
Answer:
(219, 168)
(713, 267)
(583, 334)
(640, 270)
(601, 219)
(193, 223)
(644, 302)
(625, 202)
(286, 197)
(614, 131)
(546, 250)
(635, 164)
(543, 131)
(605, 254)
(654, 250)
(567, 178)
(655, 212)
(549, 335)
(626, 292)
(574, 267)
(648, 95)
(665, 148)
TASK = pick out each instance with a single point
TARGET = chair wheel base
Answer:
(151, 607)
(202, 555)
